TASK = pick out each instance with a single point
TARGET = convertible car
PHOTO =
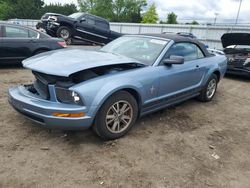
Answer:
(110, 89)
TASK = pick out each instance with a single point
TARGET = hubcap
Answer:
(119, 116)
(64, 33)
(211, 88)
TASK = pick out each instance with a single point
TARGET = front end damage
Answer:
(237, 49)
(238, 61)
(51, 101)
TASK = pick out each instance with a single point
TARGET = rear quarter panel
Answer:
(215, 63)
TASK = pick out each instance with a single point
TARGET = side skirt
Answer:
(169, 101)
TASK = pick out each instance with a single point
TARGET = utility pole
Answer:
(216, 14)
(237, 17)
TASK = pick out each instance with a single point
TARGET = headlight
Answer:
(53, 18)
(68, 96)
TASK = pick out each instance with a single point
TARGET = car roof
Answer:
(174, 37)
(178, 38)
(25, 27)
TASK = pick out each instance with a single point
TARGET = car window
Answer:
(33, 34)
(1, 33)
(187, 50)
(16, 32)
(102, 24)
(90, 20)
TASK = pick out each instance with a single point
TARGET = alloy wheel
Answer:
(119, 116)
(211, 88)
(64, 33)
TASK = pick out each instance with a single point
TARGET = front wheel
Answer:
(116, 116)
(64, 33)
(209, 91)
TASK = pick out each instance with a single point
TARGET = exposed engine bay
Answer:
(238, 57)
(40, 86)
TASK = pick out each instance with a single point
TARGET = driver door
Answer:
(180, 80)
(85, 28)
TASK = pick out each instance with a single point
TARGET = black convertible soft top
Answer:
(177, 38)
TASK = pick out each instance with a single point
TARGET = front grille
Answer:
(41, 86)
(237, 63)
(63, 95)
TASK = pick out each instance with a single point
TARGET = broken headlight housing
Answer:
(52, 18)
(68, 96)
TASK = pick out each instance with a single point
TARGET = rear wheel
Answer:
(209, 91)
(116, 116)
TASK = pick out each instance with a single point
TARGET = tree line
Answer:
(132, 11)
(32, 9)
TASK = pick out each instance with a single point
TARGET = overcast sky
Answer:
(197, 9)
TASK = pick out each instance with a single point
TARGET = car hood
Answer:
(69, 61)
(229, 39)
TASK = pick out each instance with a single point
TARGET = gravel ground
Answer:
(191, 145)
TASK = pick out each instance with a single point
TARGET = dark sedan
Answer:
(18, 43)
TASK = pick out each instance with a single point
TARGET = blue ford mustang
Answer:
(109, 89)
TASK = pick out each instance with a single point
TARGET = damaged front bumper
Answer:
(50, 27)
(41, 111)
(241, 71)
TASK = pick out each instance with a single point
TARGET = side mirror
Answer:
(178, 60)
(83, 20)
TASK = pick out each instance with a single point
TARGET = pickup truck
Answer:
(81, 26)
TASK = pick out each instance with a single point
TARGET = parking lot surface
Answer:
(191, 145)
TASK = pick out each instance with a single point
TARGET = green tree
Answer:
(192, 23)
(5, 10)
(151, 15)
(172, 18)
(114, 10)
(31, 9)
(86, 5)
(27, 9)
(65, 9)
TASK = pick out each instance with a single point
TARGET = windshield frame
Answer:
(149, 37)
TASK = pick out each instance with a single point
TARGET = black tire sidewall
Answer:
(100, 125)
(204, 96)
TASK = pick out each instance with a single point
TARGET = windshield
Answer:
(76, 15)
(141, 48)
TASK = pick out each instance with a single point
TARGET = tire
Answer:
(117, 124)
(69, 41)
(64, 33)
(210, 89)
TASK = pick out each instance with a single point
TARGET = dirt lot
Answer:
(171, 148)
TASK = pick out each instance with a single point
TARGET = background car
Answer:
(215, 51)
(109, 89)
(18, 43)
(237, 49)
(81, 26)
